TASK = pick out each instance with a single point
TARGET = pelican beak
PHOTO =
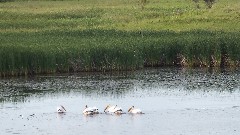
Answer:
(105, 108)
(130, 109)
(63, 108)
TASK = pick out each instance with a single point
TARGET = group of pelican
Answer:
(110, 109)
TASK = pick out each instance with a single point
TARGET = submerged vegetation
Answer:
(104, 35)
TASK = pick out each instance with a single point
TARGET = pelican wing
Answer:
(61, 109)
(136, 111)
(111, 109)
(117, 109)
(94, 109)
(88, 111)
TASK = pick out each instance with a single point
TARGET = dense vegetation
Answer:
(100, 35)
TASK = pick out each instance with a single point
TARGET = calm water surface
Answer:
(175, 102)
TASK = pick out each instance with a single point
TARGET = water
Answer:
(175, 102)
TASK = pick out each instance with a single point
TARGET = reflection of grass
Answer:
(51, 36)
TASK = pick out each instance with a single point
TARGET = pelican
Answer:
(133, 110)
(113, 109)
(109, 108)
(61, 109)
(90, 110)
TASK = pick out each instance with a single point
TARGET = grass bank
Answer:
(102, 35)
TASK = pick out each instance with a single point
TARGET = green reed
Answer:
(107, 50)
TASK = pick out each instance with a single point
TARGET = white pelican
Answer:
(90, 110)
(134, 110)
(61, 109)
(113, 109)
(109, 108)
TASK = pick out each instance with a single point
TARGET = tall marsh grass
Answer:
(104, 50)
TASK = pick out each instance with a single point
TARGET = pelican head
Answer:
(130, 109)
(61, 109)
(106, 108)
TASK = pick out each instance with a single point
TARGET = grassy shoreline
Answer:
(72, 36)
